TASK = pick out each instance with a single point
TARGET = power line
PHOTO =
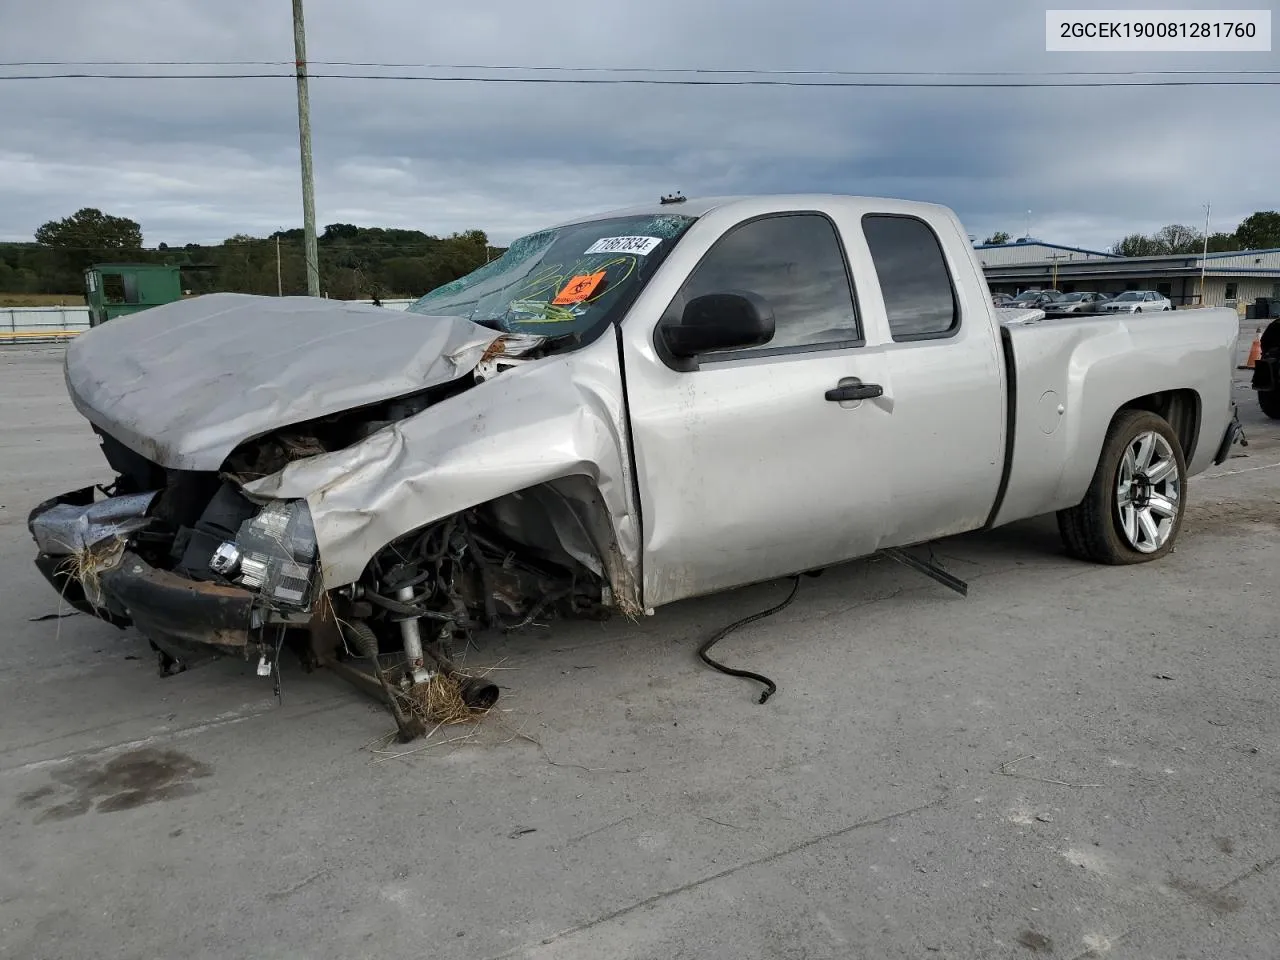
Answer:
(294, 244)
(721, 71)
(717, 71)
(146, 63)
(647, 81)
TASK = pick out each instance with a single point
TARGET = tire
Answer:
(1269, 401)
(1137, 309)
(1137, 522)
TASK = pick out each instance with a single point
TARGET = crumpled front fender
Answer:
(558, 417)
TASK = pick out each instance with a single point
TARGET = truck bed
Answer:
(1068, 376)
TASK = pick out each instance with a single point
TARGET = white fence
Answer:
(59, 324)
(25, 324)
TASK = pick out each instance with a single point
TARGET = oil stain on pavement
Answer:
(129, 780)
(1035, 942)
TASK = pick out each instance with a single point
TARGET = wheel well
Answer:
(560, 525)
(1181, 408)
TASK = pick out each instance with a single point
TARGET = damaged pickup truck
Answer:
(621, 412)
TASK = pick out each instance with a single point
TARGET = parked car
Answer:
(1086, 302)
(1137, 301)
(621, 412)
(1002, 300)
(1035, 299)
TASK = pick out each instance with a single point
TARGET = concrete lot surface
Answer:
(1074, 761)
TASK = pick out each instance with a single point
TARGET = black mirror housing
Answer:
(717, 321)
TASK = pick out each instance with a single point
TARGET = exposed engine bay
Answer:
(205, 569)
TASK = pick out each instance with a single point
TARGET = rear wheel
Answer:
(1269, 401)
(1133, 509)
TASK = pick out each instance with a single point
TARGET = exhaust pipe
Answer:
(477, 692)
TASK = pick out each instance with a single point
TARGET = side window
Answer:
(113, 288)
(918, 294)
(796, 263)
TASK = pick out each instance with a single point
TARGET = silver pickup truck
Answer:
(621, 412)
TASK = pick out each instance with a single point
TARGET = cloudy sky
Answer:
(201, 160)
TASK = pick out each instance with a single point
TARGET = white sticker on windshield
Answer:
(640, 245)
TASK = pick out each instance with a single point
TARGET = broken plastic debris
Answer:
(512, 345)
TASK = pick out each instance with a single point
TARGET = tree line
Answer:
(1258, 231)
(375, 262)
(355, 262)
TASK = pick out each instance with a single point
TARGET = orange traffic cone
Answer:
(1255, 352)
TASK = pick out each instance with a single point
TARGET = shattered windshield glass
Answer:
(562, 281)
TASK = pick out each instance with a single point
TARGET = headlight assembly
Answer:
(273, 553)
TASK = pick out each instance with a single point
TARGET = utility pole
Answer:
(1205, 256)
(310, 254)
(1055, 257)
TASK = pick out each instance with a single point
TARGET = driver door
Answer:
(745, 469)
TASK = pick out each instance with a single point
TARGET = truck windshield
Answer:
(563, 281)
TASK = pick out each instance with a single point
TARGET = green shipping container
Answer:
(115, 289)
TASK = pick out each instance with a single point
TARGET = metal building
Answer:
(1029, 250)
(1233, 279)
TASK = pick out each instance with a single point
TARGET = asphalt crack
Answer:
(727, 872)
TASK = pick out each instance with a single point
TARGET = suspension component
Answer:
(411, 634)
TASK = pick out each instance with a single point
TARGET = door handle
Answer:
(855, 391)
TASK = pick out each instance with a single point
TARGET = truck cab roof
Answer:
(751, 204)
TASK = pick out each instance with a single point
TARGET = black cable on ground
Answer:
(770, 687)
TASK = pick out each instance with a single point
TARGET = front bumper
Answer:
(178, 615)
(98, 574)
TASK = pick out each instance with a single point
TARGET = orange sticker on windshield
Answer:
(579, 288)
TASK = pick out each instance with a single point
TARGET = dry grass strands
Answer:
(439, 700)
(438, 703)
(83, 565)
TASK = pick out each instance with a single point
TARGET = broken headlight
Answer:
(273, 553)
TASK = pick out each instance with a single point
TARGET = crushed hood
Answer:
(185, 383)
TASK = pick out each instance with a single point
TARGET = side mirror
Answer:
(717, 321)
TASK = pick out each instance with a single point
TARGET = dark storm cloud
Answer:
(201, 160)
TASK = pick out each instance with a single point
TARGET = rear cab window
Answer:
(919, 295)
